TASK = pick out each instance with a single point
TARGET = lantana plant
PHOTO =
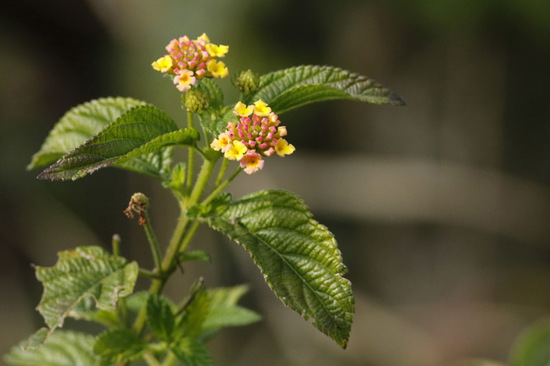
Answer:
(298, 256)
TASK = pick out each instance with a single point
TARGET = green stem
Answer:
(124, 312)
(191, 232)
(153, 243)
(223, 168)
(115, 242)
(191, 156)
(149, 274)
(168, 264)
(221, 187)
(150, 359)
(202, 181)
(170, 359)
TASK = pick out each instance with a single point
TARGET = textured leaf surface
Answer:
(160, 317)
(192, 352)
(119, 345)
(155, 164)
(78, 125)
(141, 130)
(37, 339)
(63, 348)
(190, 324)
(533, 346)
(81, 273)
(298, 257)
(214, 93)
(87, 310)
(290, 88)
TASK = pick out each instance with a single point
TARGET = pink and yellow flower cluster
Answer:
(256, 135)
(191, 60)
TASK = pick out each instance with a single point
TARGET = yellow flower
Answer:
(217, 51)
(221, 143)
(261, 109)
(203, 37)
(163, 64)
(235, 151)
(283, 148)
(242, 109)
(217, 69)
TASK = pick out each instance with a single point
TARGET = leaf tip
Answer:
(396, 99)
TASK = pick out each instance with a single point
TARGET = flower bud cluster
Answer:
(195, 100)
(191, 60)
(258, 134)
(247, 81)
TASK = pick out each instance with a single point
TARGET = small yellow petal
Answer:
(163, 64)
(261, 109)
(203, 37)
(217, 51)
(242, 109)
(235, 151)
(222, 143)
(217, 69)
(283, 148)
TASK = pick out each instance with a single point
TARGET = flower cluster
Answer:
(191, 60)
(257, 134)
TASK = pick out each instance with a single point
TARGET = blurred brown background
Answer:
(441, 208)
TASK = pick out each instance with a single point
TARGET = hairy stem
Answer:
(153, 242)
(182, 234)
(222, 186)
(191, 157)
(223, 168)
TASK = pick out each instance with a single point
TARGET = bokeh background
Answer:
(441, 208)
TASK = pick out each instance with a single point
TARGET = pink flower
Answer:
(251, 162)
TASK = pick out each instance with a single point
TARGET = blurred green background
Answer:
(441, 208)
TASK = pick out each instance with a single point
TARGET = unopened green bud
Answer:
(195, 100)
(247, 81)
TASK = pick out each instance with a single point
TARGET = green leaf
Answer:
(533, 347)
(160, 317)
(195, 255)
(136, 301)
(155, 164)
(215, 207)
(37, 339)
(119, 345)
(154, 157)
(226, 296)
(290, 88)
(217, 124)
(214, 93)
(192, 352)
(224, 311)
(63, 348)
(140, 131)
(87, 310)
(177, 177)
(299, 257)
(229, 316)
(85, 272)
(196, 311)
(78, 125)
